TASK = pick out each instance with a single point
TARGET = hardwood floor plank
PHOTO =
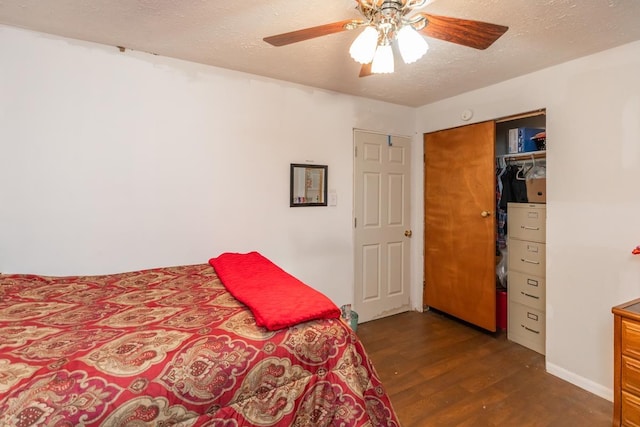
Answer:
(442, 372)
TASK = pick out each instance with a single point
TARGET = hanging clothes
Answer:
(501, 217)
(511, 186)
(514, 186)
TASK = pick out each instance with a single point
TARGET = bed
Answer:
(172, 347)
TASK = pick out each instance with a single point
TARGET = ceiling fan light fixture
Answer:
(385, 22)
(411, 44)
(363, 48)
(383, 60)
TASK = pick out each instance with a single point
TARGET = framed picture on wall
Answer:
(308, 185)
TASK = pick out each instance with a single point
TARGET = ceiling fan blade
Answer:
(365, 70)
(475, 34)
(310, 33)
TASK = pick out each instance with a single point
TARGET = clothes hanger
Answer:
(501, 163)
(522, 172)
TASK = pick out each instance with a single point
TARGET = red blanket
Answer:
(276, 298)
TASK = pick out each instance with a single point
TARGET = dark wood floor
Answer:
(440, 372)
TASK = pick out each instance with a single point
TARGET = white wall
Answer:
(115, 161)
(593, 200)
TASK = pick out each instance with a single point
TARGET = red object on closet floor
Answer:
(501, 309)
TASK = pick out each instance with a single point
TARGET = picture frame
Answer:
(308, 185)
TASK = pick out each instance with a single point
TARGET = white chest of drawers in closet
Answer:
(526, 274)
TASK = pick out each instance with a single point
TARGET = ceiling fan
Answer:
(386, 21)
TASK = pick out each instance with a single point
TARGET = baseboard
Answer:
(590, 386)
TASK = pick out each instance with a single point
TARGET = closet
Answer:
(521, 235)
(462, 219)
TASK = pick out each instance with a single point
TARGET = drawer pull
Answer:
(529, 295)
(529, 261)
(530, 330)
(532, 282)
(526, 227)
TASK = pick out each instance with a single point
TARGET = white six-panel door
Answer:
(381, 222)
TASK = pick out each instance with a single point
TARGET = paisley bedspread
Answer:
(171, 346)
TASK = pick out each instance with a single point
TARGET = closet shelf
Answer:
(523, 156)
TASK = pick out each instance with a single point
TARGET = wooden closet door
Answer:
(460, 199)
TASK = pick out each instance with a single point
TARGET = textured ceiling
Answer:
(229, 34)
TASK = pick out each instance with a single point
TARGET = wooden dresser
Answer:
(626, 365)
(526, 276)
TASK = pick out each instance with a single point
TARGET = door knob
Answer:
(408, 233)
(485, 214)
